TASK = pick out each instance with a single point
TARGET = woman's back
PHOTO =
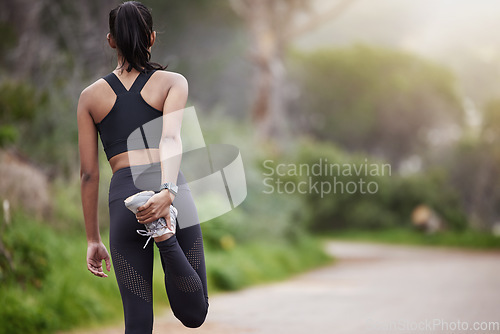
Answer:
(154, 91)
(131, 112)
(121, 102)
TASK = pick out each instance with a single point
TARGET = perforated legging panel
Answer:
(195, 254)
(188, 283)
(130, 278)
(182, 258)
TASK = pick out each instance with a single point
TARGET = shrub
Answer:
(340, 208)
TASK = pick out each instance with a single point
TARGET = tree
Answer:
(382, 102)
(272, 25)
(474, 167)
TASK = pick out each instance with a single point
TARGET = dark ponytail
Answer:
(131, 25)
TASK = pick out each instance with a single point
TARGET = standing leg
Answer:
(132, 264)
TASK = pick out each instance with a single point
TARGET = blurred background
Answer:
(411, 84)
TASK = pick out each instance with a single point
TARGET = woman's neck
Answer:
(122, 66)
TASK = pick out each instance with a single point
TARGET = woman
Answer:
(136, 92)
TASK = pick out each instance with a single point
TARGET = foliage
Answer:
(473, 163)
(258, 262)
(376, 197)
(18, 104)
(49, 287)
(8, 39)
(373, 99)
(29, 260)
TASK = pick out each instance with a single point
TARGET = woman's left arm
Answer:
(170, 151)
(89, 173)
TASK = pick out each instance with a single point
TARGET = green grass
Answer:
(259, 262)
(465, 239)
(51, 289)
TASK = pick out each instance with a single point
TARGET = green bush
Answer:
(18, 104)
(389, 206)
(50, 287)
(259, 261)
(29, 259)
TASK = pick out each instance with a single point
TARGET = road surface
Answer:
(372, 288)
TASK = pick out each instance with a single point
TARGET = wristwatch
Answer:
(170, 186)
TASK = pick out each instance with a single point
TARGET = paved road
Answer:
(371, 289)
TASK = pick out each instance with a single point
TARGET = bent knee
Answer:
(194, 320)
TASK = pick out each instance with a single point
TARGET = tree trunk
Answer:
(271, 27)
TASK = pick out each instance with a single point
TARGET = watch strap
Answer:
(170, 186)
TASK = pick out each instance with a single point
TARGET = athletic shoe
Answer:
(154, 229)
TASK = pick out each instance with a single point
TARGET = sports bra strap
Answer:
(141, 81)
(137, 86)
(115, 83)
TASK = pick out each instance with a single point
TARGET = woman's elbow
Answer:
(171, 140)
(89, 175)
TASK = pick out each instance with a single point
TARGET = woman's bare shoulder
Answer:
(94, 89)
(95, 93)
(171, 78)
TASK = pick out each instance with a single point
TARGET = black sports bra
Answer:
(129, 113)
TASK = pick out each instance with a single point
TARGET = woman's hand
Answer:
(157, 206)
(96, 253)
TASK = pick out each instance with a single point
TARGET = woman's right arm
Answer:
(89, 176)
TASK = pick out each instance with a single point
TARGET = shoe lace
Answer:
(153, 227)
(146, 233)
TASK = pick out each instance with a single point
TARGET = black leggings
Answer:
(182, 258)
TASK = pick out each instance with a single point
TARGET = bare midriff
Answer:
(134, 158)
